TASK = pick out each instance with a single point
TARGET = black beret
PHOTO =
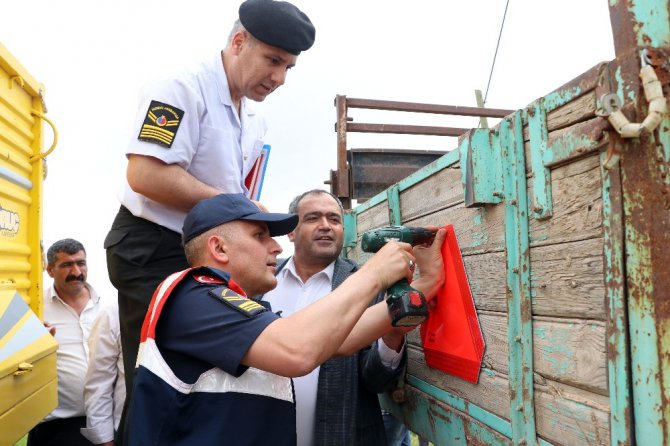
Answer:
(278, 24)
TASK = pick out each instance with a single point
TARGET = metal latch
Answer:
(24, 368)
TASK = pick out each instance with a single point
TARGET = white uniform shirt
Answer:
(105, 387)
(72, 332)
(212, 143)
(292, 295)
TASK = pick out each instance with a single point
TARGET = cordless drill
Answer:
(406, 305)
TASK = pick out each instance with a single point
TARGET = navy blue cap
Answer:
(278, 24)
(224, 208)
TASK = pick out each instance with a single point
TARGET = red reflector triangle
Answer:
(451, 336)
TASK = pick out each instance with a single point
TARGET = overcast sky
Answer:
(93, 56)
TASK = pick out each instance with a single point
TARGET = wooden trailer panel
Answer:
(562, 217)
(566, 375)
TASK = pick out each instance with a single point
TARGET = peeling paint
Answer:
(478, 218)
(479, 239)
(644, 25)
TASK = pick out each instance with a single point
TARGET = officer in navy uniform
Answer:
(196, 135)
(214, 365)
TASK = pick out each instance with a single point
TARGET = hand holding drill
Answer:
(406, 305)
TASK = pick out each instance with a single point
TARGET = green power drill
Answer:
(407, 306)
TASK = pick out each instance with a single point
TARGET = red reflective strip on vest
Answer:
(157, 301)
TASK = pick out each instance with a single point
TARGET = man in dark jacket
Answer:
(336, 403)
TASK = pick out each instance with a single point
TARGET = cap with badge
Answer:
(224, 208)
(279, 24)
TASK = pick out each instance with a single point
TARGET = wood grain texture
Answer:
(564, 415)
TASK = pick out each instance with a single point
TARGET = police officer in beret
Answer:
(215, 366)
(196, 135)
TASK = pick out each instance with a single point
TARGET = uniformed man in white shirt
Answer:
(196, 135)
(70, 307)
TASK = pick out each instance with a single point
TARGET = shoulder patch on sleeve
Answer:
(244, 305)
(161, 124)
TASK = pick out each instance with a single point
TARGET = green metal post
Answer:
(519, 312)
(537, 132)
(394, 205)
(617, 323)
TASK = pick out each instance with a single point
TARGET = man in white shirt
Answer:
(70, 307)
(337, 403)
(196, 135)
(105, 388)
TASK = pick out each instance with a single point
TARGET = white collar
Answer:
(290, 267)
(54, 295)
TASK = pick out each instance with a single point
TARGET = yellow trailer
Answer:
(27, 351)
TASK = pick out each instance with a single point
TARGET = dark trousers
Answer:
(59, 432)
(140, 255)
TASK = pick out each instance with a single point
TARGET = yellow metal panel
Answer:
(8, 156)
(11, 123)
(10, 65)
(17, 388)
(20, 285)
(21, 175)
(13, 248)
(13, 194)
(27, 365)
(28, 386)
(23, 337)
(16, 423)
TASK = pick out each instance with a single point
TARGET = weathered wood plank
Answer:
(567, 280)
(579, 140)
(577, 198)
(445, 426)
(491, 393)
(564, 415)
(485, 273)
(477, 229)
(442, 190)
(579, 110)
(570, 351)
(568, 416)
(374, 217)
